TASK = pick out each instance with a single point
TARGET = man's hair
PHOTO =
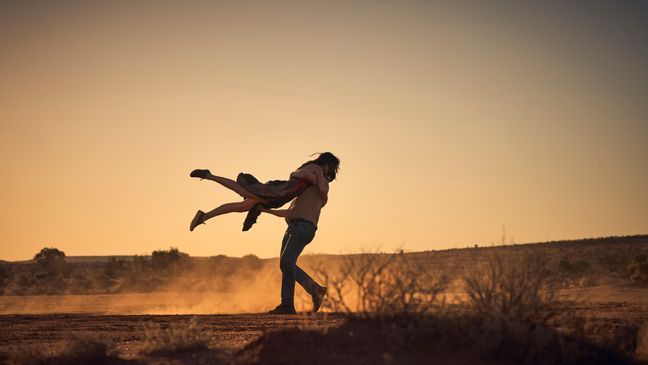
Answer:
(326, 158)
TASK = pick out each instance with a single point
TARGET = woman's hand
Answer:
(283, 213)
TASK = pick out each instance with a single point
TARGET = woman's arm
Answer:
(306, 175)
(282, 213)
(315, 175)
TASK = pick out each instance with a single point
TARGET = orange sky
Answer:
(450, 122)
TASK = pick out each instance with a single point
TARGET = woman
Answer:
(272, 194)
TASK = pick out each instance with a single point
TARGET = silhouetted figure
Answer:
(272, 194)
(302, 217)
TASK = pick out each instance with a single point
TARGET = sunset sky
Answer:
(451, 121)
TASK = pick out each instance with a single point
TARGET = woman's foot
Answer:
(200, 173)
(197, 220)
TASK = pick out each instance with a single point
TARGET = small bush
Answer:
(380, 285)
(513, 289)
(642, 343)
(505, 317)
(168, 261)
(5, 276)
(177, 337)
(251, 263)
(75, 351)
(573, 268)
(638, 268)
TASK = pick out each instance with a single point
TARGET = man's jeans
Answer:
(297, 236)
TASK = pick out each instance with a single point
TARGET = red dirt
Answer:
(610, 307)
(229, 332)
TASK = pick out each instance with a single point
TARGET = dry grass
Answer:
(642, 343)
(639, 268)
(372, 285)
(74, 351)
(174, 338)
(513, 288)
(504, 318)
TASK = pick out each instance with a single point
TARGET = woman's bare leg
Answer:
(234, 186)
(237, 207)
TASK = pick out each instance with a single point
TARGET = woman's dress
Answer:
(276, 192)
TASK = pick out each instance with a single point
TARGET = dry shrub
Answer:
(639, 268)
(174, 338)
(642, 343)
(513, 288)
(74, 351)
(504, 318)
(370, 285)
(508, 301)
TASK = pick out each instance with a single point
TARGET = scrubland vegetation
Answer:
(509, 314)
(494, 305)
(567, 264)
(51, 273)
(74, 351)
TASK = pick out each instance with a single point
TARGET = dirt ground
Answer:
(611, 307)
(127, 332)
(615, 302)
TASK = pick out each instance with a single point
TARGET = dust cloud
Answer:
(140, 303)
(195, 291)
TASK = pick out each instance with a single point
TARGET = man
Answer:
(302, 217)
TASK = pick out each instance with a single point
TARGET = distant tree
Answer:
(222, 265)
(52, 263)
(251, 262)
(49, 256)
(166, 259)
(219, 259)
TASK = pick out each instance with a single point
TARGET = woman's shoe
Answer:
(202, 174)
(197, 220)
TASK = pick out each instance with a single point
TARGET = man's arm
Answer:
(322, 184)
(315, 175)
(324, 194)
(282, 213)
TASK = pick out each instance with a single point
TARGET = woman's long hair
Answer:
(326, 158)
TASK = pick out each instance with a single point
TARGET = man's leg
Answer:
(305, 280)
(316, 291)
(299, 235)
(282, 308)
